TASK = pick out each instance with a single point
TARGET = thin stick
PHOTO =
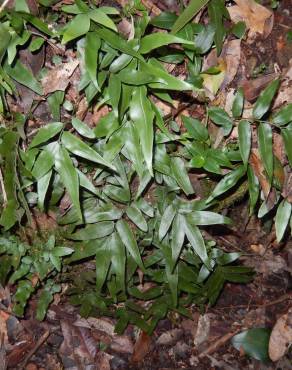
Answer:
(3, 188)
(285, 297)
(3, 5)
(219, 343)
(41, 341)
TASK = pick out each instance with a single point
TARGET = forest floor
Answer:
(65, 340)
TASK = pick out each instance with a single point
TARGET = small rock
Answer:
(170, 337)
(122, 344)
(117, 363)
(181, 350)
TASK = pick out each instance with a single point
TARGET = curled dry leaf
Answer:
(227, 63)
(258, 19)
(259, 171)
(281, 336)
(58, 77)
(252, 88)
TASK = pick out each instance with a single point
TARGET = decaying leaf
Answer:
(58, 77)
(258, 19)
(281, 336)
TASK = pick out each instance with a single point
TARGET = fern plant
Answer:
(133, 215)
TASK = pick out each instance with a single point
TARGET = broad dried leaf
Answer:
(258, 19)
(58, 78)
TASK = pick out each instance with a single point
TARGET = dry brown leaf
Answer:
(58, 77)
(227, 62)
(259, 171)
(281, 336)
(258, 19)
(141, 347)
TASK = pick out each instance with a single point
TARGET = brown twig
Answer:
(283, 298)
(219, 343)
(3, 5)
(41, 341)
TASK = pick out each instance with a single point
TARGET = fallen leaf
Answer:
(281, 336)
(259, 171)
(141, 347)
(258, 19)
(58, 77)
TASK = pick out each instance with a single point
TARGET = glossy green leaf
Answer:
(221, 118)
(254, 342)
(207, 218)
(106, 125)
(129, 241)
(36, 44)
(158, 39)
(37, 23)
(103, 260)
(287, 138)
(5, 39)
(79, 148)
(62, 251)
(116, 42)
(282, 218)
(181, 176)
(43, 164)
(136, 216)
(253, 189)
(98, 16)
(265, 143)
(216, 10)
(283, 116)
(85, 183)
(92, 45)
(239, 29)
(79, 26)
(142, 115)
(196, 240)
(82, 128)
(204, 39)
(23, 76)
(244, 140)
(46, 133)
(227, 182)
(133, 77)
(45, 298)
(166, 81)
(190, 11)
(164, 20)
(177, 237)
(166, 221)
(118, 259)
(265, 99)
(94, 231)
(69, 177)
(238, 103)
(195, 128)
(114, 90)
(42, 189)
